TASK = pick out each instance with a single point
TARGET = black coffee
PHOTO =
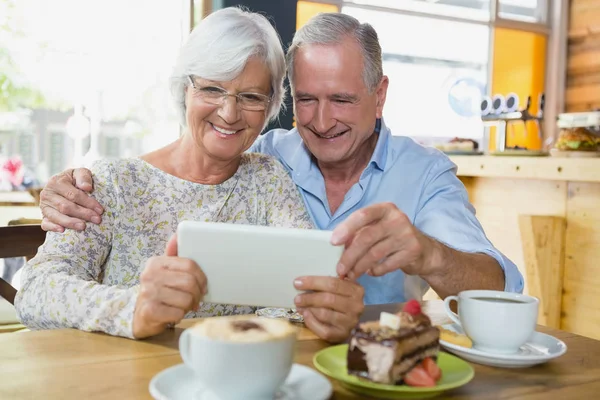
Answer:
(498, 300)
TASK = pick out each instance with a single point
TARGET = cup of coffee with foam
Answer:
(497, 322)
(239, 357)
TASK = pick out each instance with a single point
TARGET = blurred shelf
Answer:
(17, 198)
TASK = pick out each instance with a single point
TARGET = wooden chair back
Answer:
(18, 241)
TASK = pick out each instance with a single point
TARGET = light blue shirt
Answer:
(421, 181)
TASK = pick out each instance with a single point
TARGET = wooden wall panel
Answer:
(543, 240)
(581, 297)
(500, 201)
(583, 70)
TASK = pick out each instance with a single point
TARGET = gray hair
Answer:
(333, 28)
(218, 49)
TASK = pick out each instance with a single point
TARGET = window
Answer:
(477, 10)
(523, 10)
(465, 9)
(110, 59)
(440, 58)
(437, 70)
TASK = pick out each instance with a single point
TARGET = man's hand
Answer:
(332, 308)
(65, 203)
(169, 287)
(380, 239)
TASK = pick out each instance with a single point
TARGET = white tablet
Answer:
(256, 265)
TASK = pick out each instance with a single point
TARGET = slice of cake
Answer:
(399, 348)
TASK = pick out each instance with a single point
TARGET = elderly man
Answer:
(397, 207)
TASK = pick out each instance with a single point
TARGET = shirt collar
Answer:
(379, 156)
(300, 158)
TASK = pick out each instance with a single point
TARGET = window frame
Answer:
(554, 27)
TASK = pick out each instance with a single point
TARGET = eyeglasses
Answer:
(216, 95)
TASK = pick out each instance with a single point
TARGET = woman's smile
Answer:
(224, 132)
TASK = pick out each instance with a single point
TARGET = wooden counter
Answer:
(544, 214)
(542, 168)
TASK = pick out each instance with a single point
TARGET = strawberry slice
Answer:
(432, 368)
(412, 307)
(419, 377)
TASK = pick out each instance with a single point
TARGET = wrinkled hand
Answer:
(379, 239)
(333, 307)
(169, 287)
(65, 203)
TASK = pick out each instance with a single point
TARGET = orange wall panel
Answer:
(305, 10)
(519, 66)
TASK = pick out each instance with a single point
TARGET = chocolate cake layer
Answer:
(396, 374)
(385, 355)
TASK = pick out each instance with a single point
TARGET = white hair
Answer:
(333, 28)
(218, 49)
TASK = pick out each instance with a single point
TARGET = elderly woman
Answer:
(123, 277)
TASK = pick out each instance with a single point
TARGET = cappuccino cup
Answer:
(497, 322)
(239, 357)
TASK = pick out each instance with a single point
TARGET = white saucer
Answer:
(178, 382)
(539, 349)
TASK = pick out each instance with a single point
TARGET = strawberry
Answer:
(432, 368)
(412, 307)
(419, 377)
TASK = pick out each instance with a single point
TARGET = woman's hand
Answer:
(170, 286)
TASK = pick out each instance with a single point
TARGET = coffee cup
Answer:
(239, 357)
(497, 322)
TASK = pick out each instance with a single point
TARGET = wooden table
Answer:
(69, 364)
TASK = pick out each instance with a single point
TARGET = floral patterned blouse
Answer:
(89, 280)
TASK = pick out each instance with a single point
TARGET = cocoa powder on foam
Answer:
(244, 328)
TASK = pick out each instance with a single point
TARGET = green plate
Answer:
(332, 362)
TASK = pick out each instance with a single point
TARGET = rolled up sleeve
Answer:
(447, 216)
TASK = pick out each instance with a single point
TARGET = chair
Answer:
(18, 241)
